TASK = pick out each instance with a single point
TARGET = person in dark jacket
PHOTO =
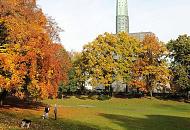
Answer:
(46, 111)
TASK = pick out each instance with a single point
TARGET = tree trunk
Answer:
(151, 94)
(188, 92)
(126, 89)
(111, 91)
(82, 88)
(106, 90)
(1, 102)
(3, 96)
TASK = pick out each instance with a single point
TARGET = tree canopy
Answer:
(109, 58)
(30, 62)
(151, 68)
(180, 61)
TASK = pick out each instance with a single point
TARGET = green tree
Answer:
(180, 65)
(77, 74)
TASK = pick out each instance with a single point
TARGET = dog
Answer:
(26, 123)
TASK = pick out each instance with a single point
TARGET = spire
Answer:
(122, 18)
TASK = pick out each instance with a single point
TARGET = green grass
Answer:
(114, 114)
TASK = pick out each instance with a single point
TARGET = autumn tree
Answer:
(31, 63)
(151, 67)
(180, 62)
(109, 58)
(127, 53)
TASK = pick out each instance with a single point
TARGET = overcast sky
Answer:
(84, 20)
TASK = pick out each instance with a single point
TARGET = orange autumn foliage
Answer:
(30, 61)
(151, 68)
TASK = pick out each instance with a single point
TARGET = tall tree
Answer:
(180, 59)
(151, 68)
(109, 58)
(31, 63)
(76, 75)
(127, 53)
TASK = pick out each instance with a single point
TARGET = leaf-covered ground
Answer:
(114, 114)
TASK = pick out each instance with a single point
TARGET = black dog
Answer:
(26, 123)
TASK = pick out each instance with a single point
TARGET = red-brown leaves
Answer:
(31, 59)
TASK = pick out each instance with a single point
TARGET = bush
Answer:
(103, 97)
(93, 96)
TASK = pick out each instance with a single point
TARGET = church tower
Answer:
(122, 18)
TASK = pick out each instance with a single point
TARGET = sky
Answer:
(83, 20)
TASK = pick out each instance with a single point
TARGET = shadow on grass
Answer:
(12, 121)
(61, 124)
(15, 102)
(151, 122)
(82, 97)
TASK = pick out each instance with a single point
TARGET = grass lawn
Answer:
(114, 114)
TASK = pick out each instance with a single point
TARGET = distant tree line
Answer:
(139, 64)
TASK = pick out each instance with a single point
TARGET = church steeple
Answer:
(122, 18)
